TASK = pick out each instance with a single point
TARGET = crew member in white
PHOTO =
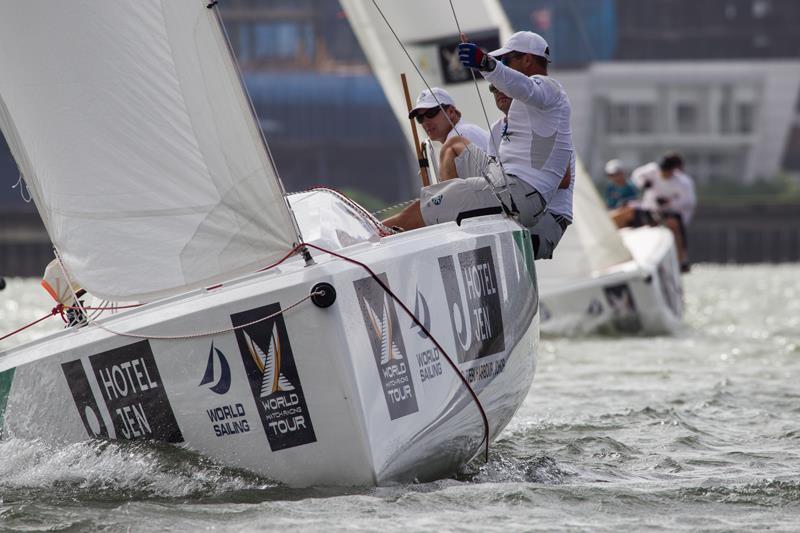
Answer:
(668, 196)
(436, 111)
(534, 162)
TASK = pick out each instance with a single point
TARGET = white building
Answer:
(729, 119)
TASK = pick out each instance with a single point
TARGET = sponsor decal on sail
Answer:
(273, 377)
(449, 63)
(383, 329)
(135, 403)
(473, 298)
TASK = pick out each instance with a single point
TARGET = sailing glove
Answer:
(473, 57)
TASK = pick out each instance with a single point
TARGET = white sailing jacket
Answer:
(538, 145)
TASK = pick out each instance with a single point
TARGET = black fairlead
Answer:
(323, 294)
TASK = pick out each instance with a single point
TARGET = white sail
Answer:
(429, 33)
(129, 122)
(590, 245)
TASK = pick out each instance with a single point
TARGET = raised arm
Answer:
(539, 91)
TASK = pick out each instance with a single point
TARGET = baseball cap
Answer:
(613, 166)
(431, 98)
(526, 42)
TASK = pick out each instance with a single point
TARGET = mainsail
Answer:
(130, 125)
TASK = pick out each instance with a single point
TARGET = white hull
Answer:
(352, 394)
(642, 295)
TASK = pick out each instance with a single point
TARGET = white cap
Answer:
(526, 42)
(426, 100)
(613, 166)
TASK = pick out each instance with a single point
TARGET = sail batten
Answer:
(131, 127)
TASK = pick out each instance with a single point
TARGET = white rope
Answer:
(204, 333)
(22, 188)
(395, 206)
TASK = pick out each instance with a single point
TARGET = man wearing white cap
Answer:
(436, 111)
(536, 156)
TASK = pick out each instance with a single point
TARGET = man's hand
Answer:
(473, 57)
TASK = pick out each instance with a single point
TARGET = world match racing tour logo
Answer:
(388, 348)
(274, 381)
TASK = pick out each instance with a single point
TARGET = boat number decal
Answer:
(474, 302)
(228, 419)
(383, 330)
(274, 380)
(132, 391)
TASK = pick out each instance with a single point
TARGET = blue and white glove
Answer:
(473, 57)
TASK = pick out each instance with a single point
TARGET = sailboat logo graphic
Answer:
(383, 330)
(224, 383)
(269, 364)
(423, 315)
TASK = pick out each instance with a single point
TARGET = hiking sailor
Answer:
(535, 160)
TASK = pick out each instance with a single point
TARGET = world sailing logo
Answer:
(224, 383)
(269, 364)
(423, 315)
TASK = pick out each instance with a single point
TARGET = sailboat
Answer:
(275, 332)
(600, 279)
(608, 280)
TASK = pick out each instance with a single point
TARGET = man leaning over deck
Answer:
(537, 158)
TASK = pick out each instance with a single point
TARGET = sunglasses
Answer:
(506, 59)
(430, 113)
(492, 89)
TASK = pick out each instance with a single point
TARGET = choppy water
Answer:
(695, 432)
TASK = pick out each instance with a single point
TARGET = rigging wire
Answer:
(495, 189)
(413, 64)
(478, 91)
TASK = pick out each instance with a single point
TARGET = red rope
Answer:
(59, 309)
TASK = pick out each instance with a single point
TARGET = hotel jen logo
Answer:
(473, 298)
(135, 404)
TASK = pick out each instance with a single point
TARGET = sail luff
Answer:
(254, 115)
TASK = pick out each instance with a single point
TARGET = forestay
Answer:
(130, 125)
(590, 245)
